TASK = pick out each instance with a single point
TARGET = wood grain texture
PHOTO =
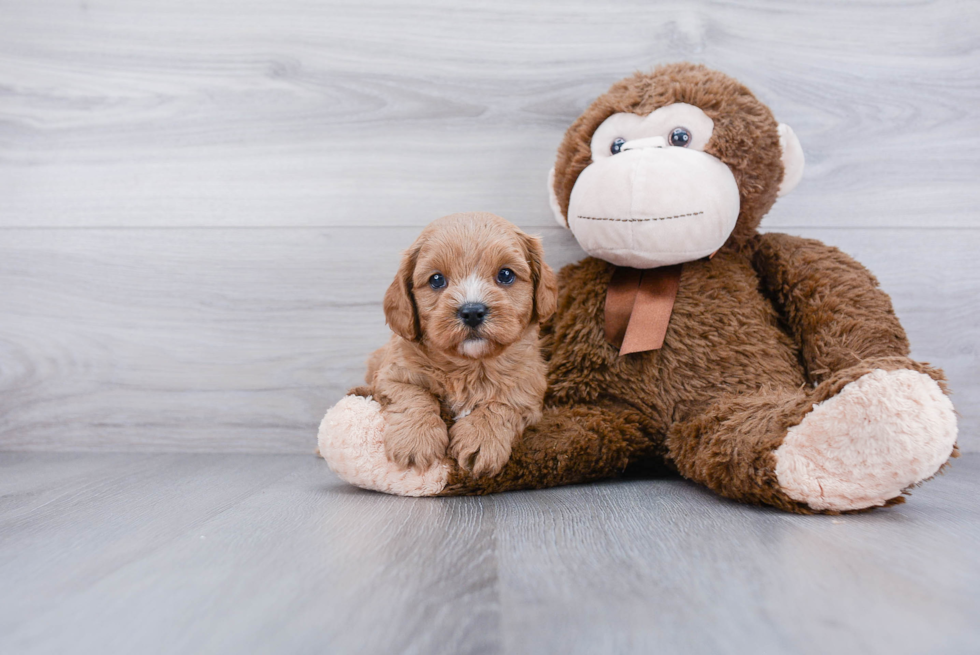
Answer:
(351, 113)
(203, 202)
(239, 340)
(179, 553)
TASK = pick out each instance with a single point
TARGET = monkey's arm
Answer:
(832, 306)
(569, 445)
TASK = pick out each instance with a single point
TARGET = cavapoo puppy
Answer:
(464, 307)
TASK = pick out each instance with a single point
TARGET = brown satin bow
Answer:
(638, 307)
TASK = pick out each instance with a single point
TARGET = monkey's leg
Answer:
(858, 440)
(568, 445)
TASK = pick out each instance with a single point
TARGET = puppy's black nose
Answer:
(472, 313)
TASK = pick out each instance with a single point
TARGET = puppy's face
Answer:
(470, 285)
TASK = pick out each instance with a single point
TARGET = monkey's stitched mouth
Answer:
(638, 220)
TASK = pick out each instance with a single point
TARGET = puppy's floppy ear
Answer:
(401, 314)
(545, 283)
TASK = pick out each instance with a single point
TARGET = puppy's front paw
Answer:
(416, 439)
(477, 448)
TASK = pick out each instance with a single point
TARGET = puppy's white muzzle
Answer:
(653, 205)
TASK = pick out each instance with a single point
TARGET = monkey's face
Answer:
(664, 167)
(652, 196)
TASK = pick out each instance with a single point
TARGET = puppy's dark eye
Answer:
(437, 281)
(617, 145)
(506, 276)
(680, 137)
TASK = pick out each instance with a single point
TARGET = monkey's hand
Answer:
(351, 440)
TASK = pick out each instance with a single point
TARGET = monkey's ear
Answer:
(792, 159)
(553, 200)
(401, 314)
(545, 283)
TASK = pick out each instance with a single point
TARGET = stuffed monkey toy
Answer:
(766, 367)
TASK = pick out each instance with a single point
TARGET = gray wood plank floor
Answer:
(232, 553)
(201, 203)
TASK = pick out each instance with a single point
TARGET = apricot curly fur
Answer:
(488, 374)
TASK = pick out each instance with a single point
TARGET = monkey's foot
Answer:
(351, 439)
(883, 433)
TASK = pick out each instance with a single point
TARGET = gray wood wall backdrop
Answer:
(201, 203)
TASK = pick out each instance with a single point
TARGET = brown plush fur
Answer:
(490, 379)
(760, 333)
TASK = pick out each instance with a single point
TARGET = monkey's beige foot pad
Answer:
(351, 440)
(883, 433)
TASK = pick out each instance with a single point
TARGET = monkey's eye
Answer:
(437, 281)
(506, 276)
(680, 137)
(617, 145)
